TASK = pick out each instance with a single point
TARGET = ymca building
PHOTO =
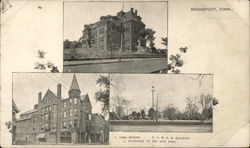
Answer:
(56, 120)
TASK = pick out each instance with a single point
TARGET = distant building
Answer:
(55, 120)
(114, 32)
(15, 110)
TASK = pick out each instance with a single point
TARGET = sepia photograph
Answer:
(49, 108)
(162, 103)
(121, 36)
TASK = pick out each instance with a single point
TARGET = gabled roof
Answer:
(74, 84)
(85, 100)
(49, 92)
(29, 112)
(14, 107)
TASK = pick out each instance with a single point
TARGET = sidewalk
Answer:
(104, 61)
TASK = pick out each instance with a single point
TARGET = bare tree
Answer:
(206, 102)
(191, 108)
(119, 105)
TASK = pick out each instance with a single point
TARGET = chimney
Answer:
(135, 12)
(132, 9)
(35, 106)
(59, 91)
(39, 97)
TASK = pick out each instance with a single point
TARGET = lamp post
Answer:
(153, 102)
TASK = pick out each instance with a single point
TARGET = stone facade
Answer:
(55, 120)
(114, 32)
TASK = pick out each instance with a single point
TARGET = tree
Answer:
(134, 115)
(165, 41)
(147, 36)
(103, 95)
(66, 44)
(143, 114)
(176, 61)
(42, 65)
(151, 113)
(191, 109)
(206, 102)
(170, 112)
(112, 116)
(119, 105)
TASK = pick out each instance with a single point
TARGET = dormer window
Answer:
(64, 104)
(75, 100)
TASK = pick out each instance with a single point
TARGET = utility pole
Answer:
(153, 101)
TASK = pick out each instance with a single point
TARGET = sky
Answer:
(76, 14)
(170, 88)
(26, 87)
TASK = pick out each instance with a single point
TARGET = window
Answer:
(70, 100)
(34, 120)
(127, 39)
(89, 116)
(49, 108)
(75, 101)
(65, 137)
(101, 39)
(101, 31)
(64, 124)
(75, 123)
(64, 104)
(53, 126)
(54, 106)
(54, 115)
(46, 109)
(127, 47)
(64, 114)
(101, 47)
(75, 111)
(42, 110)
(47, 127)
(41, 126)
(127, 30)
(70, 112)
(47, 117)
(70, 124)
(34, 128)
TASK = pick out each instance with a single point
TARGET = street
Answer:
(183, 126)
(163, 128)
(125, 66)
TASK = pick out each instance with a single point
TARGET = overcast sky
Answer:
(76, 14)
(171, 88)
(26, 87)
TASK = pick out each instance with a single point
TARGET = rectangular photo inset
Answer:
(180, 103)
(118, 36)
(59, 108)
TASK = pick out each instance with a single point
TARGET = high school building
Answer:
(55, 120)
(114, 32)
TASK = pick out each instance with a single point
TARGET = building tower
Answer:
(74, 91)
